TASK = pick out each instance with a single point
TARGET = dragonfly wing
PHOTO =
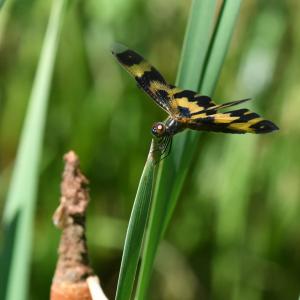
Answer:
(195, 111)
(189, 103)
(236, 121)
(147, 77)
(223, 105)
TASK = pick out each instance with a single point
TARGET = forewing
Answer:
(236, 121)
(189, 103)
(147, 77)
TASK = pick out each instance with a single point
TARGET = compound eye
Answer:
(158, 129)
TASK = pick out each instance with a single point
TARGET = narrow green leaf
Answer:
(196, 43)
(220, 43)
(4, 16)
(173, 171)
(135, 230)
(1, 3)
(20, 205)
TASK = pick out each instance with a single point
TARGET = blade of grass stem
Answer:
(4, 16)
(173, 171)
(1, 3)
(196, 43)
(220, 43)
(135, 231)
(19, 210)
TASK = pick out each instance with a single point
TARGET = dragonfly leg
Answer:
(166, 148)
(163, 145)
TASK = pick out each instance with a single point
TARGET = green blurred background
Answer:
(236, 230)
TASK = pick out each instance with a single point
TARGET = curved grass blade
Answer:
(20, 205)
(173, 171)
(1, 3)
(219, 45)
(5, 14)
(196, 43)
(136, 229)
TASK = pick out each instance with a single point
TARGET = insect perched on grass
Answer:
(187, 109)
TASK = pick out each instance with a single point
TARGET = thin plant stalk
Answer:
(173, 172)
(20, 206)
(194, 42)
(136, 228)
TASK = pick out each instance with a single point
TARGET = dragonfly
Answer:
(187, 109)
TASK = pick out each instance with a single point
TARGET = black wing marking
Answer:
(236, 121)
(147, 77)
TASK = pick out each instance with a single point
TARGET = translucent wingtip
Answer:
(117, 48)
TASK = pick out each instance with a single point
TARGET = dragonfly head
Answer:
(159, 129)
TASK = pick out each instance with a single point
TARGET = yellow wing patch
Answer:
(138, 70)
(188, 103)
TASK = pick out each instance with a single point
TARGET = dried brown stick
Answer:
(72, 269)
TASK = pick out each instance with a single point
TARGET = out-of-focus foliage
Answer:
(19, 212)
(235, 234)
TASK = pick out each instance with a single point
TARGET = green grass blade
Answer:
(4, 17)
(1, 3)
(20, 205)
(196, 43)
(135, 232)
(220, 43)
(174, 169)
